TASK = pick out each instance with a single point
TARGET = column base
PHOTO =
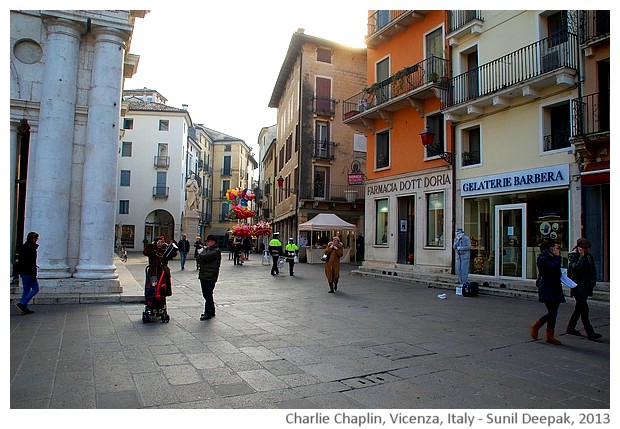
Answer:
(101, 272)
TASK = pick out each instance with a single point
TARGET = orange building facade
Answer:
(409, 189)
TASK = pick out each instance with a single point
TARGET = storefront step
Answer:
(496, 287)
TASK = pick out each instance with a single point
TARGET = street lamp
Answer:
(280, 181)
(428, 138)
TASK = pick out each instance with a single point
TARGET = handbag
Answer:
(296, 259)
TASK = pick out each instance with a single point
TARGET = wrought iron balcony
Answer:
(417, 81)
(555, 141)
(323, 149)
(324, 106)
(383, 24)
(461, 19)
(594, 26)
(470, 158)
(540, 64)
(591, 114)
(160, 192)
(161, 161)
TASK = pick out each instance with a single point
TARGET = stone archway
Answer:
(157, 223)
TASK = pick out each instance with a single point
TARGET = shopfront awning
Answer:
(595, 173)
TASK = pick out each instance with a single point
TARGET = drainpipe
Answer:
(300, 146)
(452, 135)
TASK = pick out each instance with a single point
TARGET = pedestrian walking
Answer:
(27, 270)
(462, 245)
(247, 247)
(291, 251)
(209, 260)
(197, 246)
(275, 249)
(550, 292)
(359, 247)
(332, 255)
(183, 245)
(237, 249)
(582, 270)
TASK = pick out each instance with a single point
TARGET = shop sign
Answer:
(535, 178)
(408, 185)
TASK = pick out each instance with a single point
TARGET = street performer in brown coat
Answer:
(333, 252)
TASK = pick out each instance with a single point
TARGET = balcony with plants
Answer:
(550, 62)
(409, 86)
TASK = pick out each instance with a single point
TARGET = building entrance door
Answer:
(510, 240)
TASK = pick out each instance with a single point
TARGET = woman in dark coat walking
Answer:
(550, 292)
(583, 272)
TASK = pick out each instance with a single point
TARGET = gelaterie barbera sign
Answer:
(411, 184)
(535, 178)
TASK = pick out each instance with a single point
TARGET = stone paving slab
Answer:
(283, 343)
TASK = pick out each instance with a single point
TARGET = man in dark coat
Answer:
(582, 271)
(27, 270)
(183, 245)
(209, 260)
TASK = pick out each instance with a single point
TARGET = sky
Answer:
(223, 61)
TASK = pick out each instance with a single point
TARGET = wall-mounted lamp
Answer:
(280, 181)
(428, 137)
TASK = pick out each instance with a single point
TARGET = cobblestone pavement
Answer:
(282, 343)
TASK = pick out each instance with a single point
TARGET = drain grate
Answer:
(368, 380)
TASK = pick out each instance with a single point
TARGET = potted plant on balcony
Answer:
(399, 82)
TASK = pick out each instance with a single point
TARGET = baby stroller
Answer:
(155, 292)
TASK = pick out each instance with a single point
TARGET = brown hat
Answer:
(584, 243)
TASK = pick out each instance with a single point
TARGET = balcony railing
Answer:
(161, 161)
(323, 106)
(160, 191)
(323, 149)
(321, 192)
(555, 141)
(471, 158)
(430, 70)
(537, 59)
(591, 114)
(594, 25)
(458, 19)
(381, 18)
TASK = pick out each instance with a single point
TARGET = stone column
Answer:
(101, 157)
(50, 189)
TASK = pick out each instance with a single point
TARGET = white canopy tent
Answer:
(324, 222)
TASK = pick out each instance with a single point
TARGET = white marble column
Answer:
(101, 157)
(51, 183)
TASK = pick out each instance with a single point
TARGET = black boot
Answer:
(335, 285)
(331, 288)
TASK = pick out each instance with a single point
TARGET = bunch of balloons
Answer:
(244, 230)
(261, 228)
(239, 199)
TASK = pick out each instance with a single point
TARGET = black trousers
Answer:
(291, 264)
(207, 287)
(551, 316)
(581, 310)
(274, 266)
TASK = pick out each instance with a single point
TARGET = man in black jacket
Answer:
(27, 269)
(209, 260)
(183, 245)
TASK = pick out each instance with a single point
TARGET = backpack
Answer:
(470, 289)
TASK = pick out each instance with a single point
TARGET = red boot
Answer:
(550, 339)
(534, 329)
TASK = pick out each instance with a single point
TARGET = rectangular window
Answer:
(435, 124)
(227, 168)
(382, 93)
(470, 145)
(556, 123)
(381, 228)
(123, 207)
(289, 147)
(382, 155)
(126, 149)
(227, 148)
(435, 205)
(164, 124)
(128, 123)
(125, 177)
(324, 55)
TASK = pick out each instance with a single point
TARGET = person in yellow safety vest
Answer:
(275, 249)
(291, 251)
